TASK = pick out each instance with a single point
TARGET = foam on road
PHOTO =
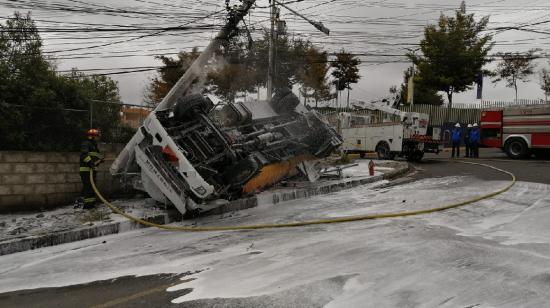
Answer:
(493, 253)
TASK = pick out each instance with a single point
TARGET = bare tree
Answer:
(515, 67)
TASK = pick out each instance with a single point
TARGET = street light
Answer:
(317, 24)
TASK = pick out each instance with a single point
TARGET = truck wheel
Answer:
(383, 151)
(187, 106)
(416, 156)
(516, 148)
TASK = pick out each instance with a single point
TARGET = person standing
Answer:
(89, 161)
(467, 140)
(475, 137)
(456, 136)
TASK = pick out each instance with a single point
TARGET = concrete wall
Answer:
(44, 180)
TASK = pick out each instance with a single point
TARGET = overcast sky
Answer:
(382, 28)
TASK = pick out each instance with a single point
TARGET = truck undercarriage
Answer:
(192, 154)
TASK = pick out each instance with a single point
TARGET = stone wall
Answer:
(44, 180)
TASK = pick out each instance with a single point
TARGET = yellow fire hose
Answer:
(314, 222)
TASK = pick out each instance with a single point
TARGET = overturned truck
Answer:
(198, 157)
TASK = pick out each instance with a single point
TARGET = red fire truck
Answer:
(519, 131)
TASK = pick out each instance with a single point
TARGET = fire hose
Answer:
(314, 222)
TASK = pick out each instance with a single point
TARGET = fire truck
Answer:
(518, 131)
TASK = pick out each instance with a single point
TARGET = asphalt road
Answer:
(149, 291)
(129, 291)
(531, 170)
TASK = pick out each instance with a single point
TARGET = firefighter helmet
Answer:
(92, 132)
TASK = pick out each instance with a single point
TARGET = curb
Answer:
(303, 193)
(40, 241)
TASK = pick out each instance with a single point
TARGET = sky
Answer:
(381, 29)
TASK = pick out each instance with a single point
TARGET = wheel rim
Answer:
(516, 148)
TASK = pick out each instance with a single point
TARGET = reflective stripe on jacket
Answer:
(89, 155)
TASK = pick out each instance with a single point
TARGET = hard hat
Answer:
(92, 132)
(469, 125)
(475, 124)
(457, 125)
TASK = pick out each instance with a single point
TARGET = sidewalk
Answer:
(27, 231)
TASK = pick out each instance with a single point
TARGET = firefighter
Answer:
(474, 140)
(456, 135)
(89, 160)
(467, 141)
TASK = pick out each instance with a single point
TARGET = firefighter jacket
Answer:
(89, 155)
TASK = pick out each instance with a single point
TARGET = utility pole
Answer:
(273, 16)
(272, 12)
(410, 83)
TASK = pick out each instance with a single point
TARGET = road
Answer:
(494, 253)
(532, 170)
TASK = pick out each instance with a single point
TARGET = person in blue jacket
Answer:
(456, 136)
(474, 141)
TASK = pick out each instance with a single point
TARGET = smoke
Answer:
(216, 63)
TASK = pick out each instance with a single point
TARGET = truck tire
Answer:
(383, 151)
(516, 148)
(415, 156)
(284, 101)
(187, 106)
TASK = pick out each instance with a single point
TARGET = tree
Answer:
(453, 52)
(313, 76)
(40, 109)
(169, 74)
(345, 71)
(289, 55)
(423, 94)
(545, 83)
(234, 71)
(515, 67)
(239, 67)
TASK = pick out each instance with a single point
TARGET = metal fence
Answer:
(501, 104)
(439, 115)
